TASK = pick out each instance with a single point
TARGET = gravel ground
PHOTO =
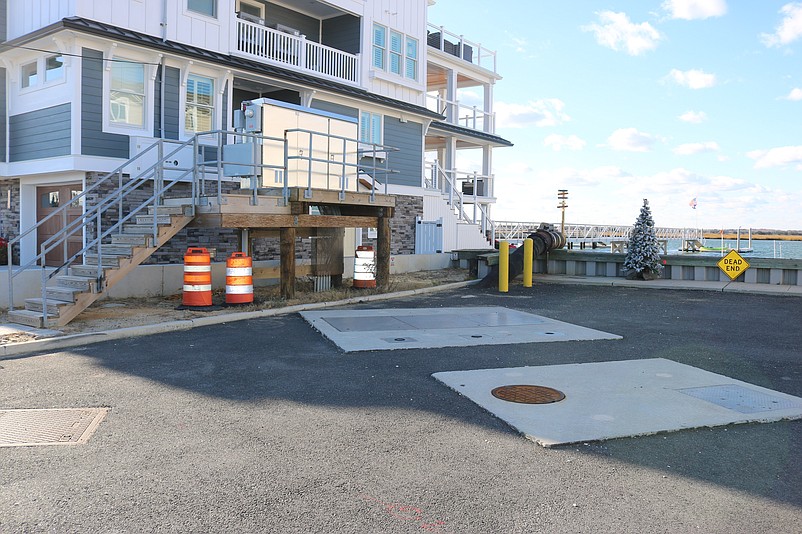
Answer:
(265, 426)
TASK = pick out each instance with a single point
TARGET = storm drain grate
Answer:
(740, 399)
(65, 426)
(525, 394)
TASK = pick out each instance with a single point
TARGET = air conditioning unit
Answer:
(287, 29)
(175, 166)
(251, 18)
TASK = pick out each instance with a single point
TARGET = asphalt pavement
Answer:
(263, 425)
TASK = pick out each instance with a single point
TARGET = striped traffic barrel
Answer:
(239, 279)
(364, 267)
(197, 277)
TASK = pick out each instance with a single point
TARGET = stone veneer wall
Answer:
(402, 225)
(10, 217)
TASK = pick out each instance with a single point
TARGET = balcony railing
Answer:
(462, 115)
(456, 45)
(263, 43)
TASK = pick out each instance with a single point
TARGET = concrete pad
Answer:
(621, 399)
(423, 328)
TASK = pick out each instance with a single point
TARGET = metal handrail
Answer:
(91, 223)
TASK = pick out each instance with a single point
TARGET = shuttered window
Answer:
(370, 127)
(200, 104)
(379, 45)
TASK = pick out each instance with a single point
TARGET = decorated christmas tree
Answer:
(643, 254)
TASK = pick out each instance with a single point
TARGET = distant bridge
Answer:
(517, 231)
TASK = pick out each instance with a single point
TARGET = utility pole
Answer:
(562, 196)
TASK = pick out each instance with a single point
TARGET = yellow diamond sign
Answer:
(733, 264)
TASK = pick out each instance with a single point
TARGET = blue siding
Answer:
(341, 33)
(3, 113)
(94, 141)
(172, 97)
(171, 79)
(337, 109)
(408, 161)
(44, 133)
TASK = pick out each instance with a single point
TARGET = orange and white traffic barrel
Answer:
(364, 267)
(239, 279)
(197, 277)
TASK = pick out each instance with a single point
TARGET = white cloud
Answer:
(617, 32)
(777, 157)
(692, 79)
(689, 149)
(795, 94)
(789, 30)
(694, 117)
(546, 112)
(630, 140)
(695, 9)
(569, 142)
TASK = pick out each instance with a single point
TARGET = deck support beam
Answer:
(383, 248)
(287, 250)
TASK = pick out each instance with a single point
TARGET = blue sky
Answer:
(667, 100)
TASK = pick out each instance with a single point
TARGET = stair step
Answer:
(140, 229)
(170, 210)
(117, 249)
(83, 283)
(62, 293)
(30, 318)
(109, 260)
(85, 271)
(53, 306)
(148, 219)
(137, 240)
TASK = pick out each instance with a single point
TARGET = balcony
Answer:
(285, 47)
(456, 45)
(461, 115)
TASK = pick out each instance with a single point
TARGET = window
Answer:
(127, 96)
(370, 127)
(379, 45)
(54, 68)
(28, 75)
(200, 104)
(411, 59)
(399, 56)
(205, 7)
(396, 50)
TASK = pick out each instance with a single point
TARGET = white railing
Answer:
(461, 115)
(261, 42)
(456, 45)
(460, 188)
(588, 232)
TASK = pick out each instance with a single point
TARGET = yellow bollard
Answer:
(503, 267)
(528, 245)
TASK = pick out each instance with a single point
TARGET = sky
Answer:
(619, 101)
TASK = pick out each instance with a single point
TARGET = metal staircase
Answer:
(124, 221)
(477, 214)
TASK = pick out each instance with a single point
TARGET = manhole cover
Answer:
(528, 394)
(19, 428)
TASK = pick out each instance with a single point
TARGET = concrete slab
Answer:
(621, 399)
(384, 329)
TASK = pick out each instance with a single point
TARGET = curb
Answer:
(73, 340)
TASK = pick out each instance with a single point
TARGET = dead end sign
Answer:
(733, 264)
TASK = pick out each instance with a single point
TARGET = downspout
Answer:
(163, 71)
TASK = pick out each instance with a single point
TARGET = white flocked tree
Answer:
(643, 253)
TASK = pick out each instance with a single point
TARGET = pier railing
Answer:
(513, 230)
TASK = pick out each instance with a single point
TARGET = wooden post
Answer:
(287, 251)
(383, 249)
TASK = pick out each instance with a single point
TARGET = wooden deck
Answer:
(303, 215)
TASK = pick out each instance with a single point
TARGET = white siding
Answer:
(26, 16)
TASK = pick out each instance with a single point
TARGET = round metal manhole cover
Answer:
(528, 394)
